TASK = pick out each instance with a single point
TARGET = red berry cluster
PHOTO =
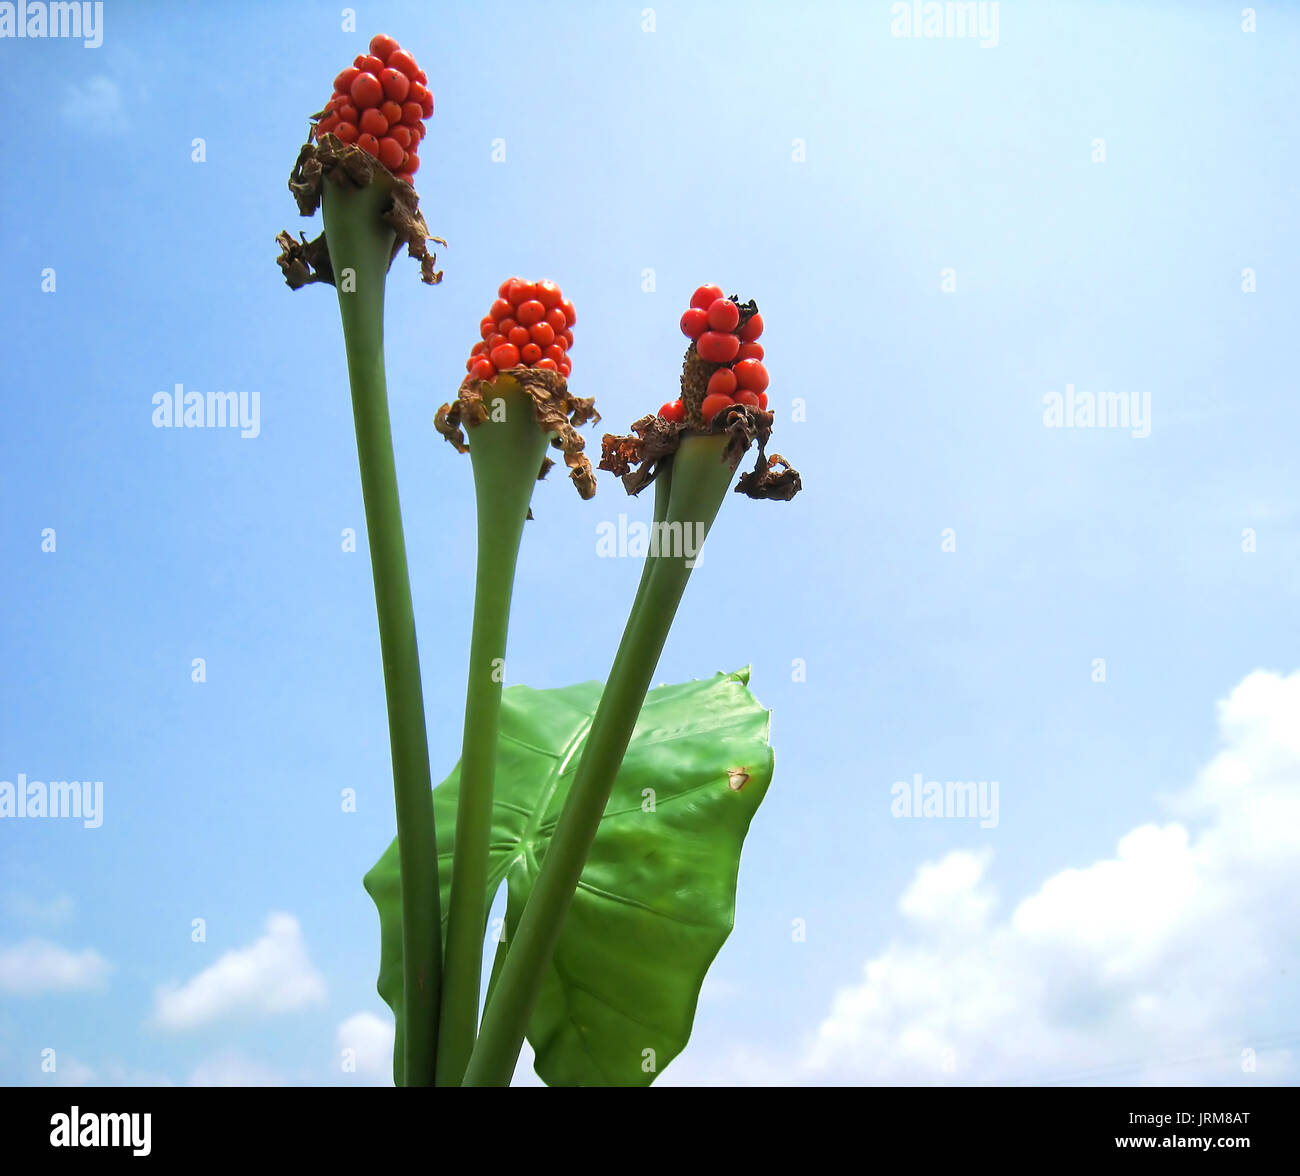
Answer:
(713, 322)
(380, 103)
(530, 325)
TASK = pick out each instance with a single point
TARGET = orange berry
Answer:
(522, 292)
(717, 346)
(366, 91)
(706, 296)
(530, 312)
(751, 375)
(722, 383)
(396, 84)
(391, 153)
(549, 294)
(401, 60)
(724, 315)
(713, 405)
(374, 123)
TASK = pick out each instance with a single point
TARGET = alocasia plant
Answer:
(615, 820)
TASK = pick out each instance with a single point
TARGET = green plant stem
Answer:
(663, 484)
(360, 245)
(507, 456)
(699, 483)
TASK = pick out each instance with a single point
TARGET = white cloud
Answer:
(371, 1040)
(231, 1069)
(38, 966)
(1161, 963)
(95, 103)
(272, 975)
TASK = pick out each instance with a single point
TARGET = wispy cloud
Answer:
(43, 912)
(94, 104)
(274, 974)
(37, 966)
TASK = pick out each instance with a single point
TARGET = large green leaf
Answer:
(657, 896)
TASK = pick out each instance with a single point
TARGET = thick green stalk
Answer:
(662, 485)
(700, 480)
(360, 245)
(507, 455)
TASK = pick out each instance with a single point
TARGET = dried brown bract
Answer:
(554, 409)
(639, 457)
(334, 161)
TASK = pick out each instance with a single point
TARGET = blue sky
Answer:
(1128, 918)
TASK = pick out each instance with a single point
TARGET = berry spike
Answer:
(523, 347)
(380, 106)
(367, 133)
(723, 366)
(724, 396)
(529, 325)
